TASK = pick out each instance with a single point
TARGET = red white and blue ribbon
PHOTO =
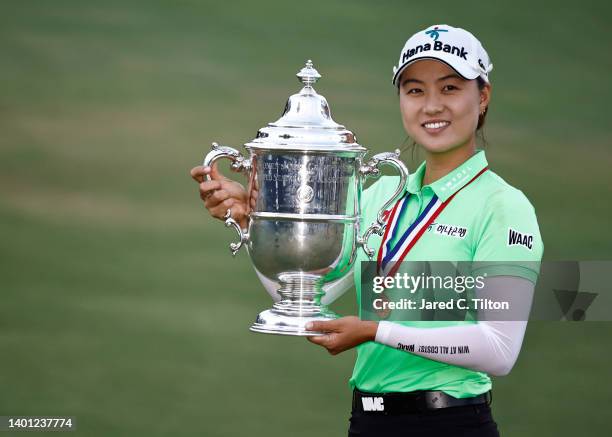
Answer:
(390, 258)
(391, 228)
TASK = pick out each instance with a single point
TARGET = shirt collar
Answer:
(453, 181)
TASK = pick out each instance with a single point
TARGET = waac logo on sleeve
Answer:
(516, 238)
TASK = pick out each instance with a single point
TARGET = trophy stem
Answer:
(300, 303)
(300, 294)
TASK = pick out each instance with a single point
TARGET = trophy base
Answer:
(274, 322)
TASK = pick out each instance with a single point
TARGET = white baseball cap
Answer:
(456, 47)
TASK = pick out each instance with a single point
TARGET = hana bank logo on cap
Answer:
(456, 47)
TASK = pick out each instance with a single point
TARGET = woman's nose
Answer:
(433, 104)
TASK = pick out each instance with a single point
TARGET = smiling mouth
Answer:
(435, 126)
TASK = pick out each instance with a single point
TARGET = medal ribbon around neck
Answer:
(393, 256)
(396, 212)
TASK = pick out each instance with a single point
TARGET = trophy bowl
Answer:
(305, 175)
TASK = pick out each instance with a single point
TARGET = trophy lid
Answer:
(306, 123)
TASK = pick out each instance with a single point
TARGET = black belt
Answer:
(411, 402)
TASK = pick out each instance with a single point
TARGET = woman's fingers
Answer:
(208, 187)
(254, 194)
(214, 172)
(342, 334)
(323, 326)
(327, 341)
(198, 173)
(321, 340)
(221, 208)
(238, 212)
(220, 194)
(214, 199)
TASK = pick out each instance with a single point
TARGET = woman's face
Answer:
(439, 108)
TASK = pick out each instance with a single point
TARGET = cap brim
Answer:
(467, 73)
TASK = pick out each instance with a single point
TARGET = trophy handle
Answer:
(242, 235)
(239, 164)
(372, 169)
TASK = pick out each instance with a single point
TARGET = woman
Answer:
(405, 380)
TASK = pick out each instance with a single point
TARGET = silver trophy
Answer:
(305, 175)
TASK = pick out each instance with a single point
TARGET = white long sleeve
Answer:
(333, 290)
(488, 346)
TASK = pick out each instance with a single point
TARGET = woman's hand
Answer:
(343, 333)
(220, 194)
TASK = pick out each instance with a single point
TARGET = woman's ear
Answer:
(485, 97)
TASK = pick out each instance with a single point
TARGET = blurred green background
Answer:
(121, 304)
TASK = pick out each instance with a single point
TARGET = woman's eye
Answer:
(413, 91)
(449, 88)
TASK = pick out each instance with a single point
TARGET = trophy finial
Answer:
(308, 75)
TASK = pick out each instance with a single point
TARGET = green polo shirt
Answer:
(488, 222)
